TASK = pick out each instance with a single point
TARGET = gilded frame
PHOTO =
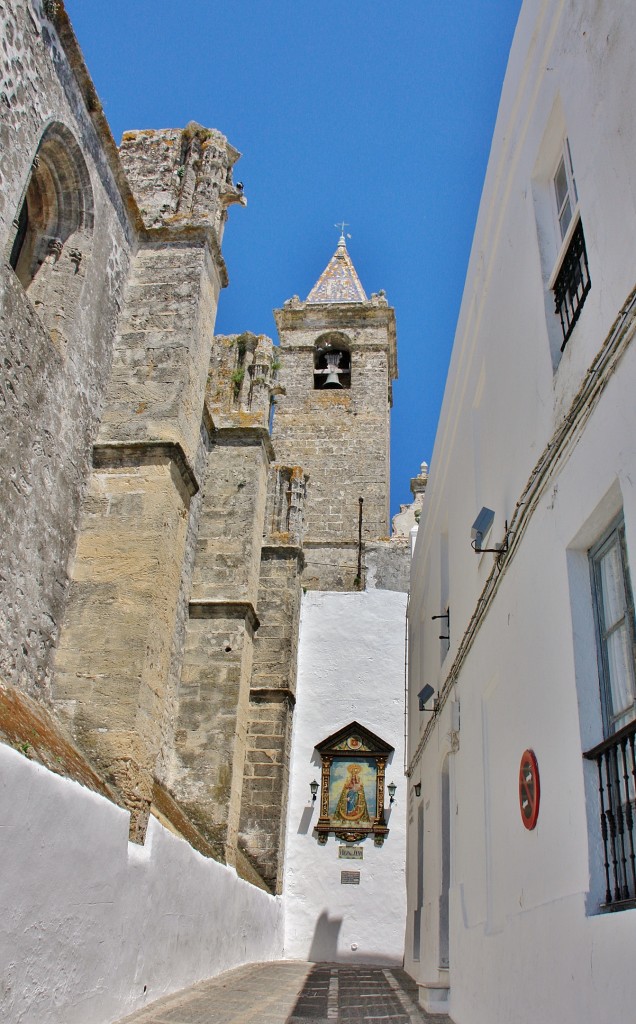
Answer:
(352, 785)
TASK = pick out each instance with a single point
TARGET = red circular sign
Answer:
(529, 789)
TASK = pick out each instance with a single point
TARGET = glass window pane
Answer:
(613, 590)
(565, 217)
(572, 178)
(561, 184)
(621, 670)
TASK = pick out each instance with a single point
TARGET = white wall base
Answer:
(93, 927)
(434, 998)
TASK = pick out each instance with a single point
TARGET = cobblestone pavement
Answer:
(294, 992)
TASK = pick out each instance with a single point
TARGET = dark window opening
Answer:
(54, 225)
(21, 233)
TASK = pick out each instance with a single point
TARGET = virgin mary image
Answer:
(352, 805)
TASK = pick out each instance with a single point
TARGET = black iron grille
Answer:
(572, 284)
(616, 764)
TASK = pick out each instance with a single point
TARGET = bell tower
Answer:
(338, 361)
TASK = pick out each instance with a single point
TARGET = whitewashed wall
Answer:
(350, 668)
(527, 940)
(92, 926)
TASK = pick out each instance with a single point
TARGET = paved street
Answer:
(294, 992)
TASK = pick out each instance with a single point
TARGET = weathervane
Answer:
(341, 228)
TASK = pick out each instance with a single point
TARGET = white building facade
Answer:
(345, 900)
(520, 869)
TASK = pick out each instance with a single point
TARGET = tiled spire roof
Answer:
(338, 281)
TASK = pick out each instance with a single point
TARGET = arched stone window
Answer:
(54, 228)
(332, 362)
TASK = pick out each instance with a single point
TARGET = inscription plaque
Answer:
(349, 878)
(350, 852)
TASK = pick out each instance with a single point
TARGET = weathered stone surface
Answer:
(113, 659)
(157, 386)
(240, 380)
(206, 769)
(181, 176)
(388, 565)
(273, 686)
(339, 436)
(32, 729)
(52, 380)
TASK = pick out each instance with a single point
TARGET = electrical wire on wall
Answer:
(565, 436)
(406, 683)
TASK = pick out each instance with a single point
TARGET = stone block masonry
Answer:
(114, 653)
(272, 699)
(339, 435)
(212, 702)
(52, 381)
(128, 564)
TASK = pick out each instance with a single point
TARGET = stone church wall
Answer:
(53, 381)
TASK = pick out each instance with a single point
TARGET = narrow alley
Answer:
(293, 992)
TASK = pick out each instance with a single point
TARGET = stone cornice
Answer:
(136, 453)
(219, 609)
(272, 695)
(332, 314)
(244, 436)
(284, 550)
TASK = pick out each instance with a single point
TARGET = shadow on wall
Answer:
(324, 948)
(324, 944)
(305, 820)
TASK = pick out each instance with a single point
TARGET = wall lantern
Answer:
(391, 790)
(418, 788)
(481, 528)
(424, 696)
(314, 790)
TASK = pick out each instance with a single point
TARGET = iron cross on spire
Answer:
(341, 228)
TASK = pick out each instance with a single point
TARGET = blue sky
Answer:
(380, 114)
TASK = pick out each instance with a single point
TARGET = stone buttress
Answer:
(273, 684)
(114, 659)
(205, 768)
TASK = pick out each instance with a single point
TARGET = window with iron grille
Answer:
(572, 282)
(615, 757)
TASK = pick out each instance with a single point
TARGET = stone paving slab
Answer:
(294, 992)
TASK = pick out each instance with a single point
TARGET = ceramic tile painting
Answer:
(353, 790)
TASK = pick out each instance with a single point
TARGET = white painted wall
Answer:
(527, 941)
(92, 926)
(350, 668)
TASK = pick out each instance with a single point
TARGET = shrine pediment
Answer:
(354, 739)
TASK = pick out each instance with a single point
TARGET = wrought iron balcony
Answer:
(616, 764)
(572, 283)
